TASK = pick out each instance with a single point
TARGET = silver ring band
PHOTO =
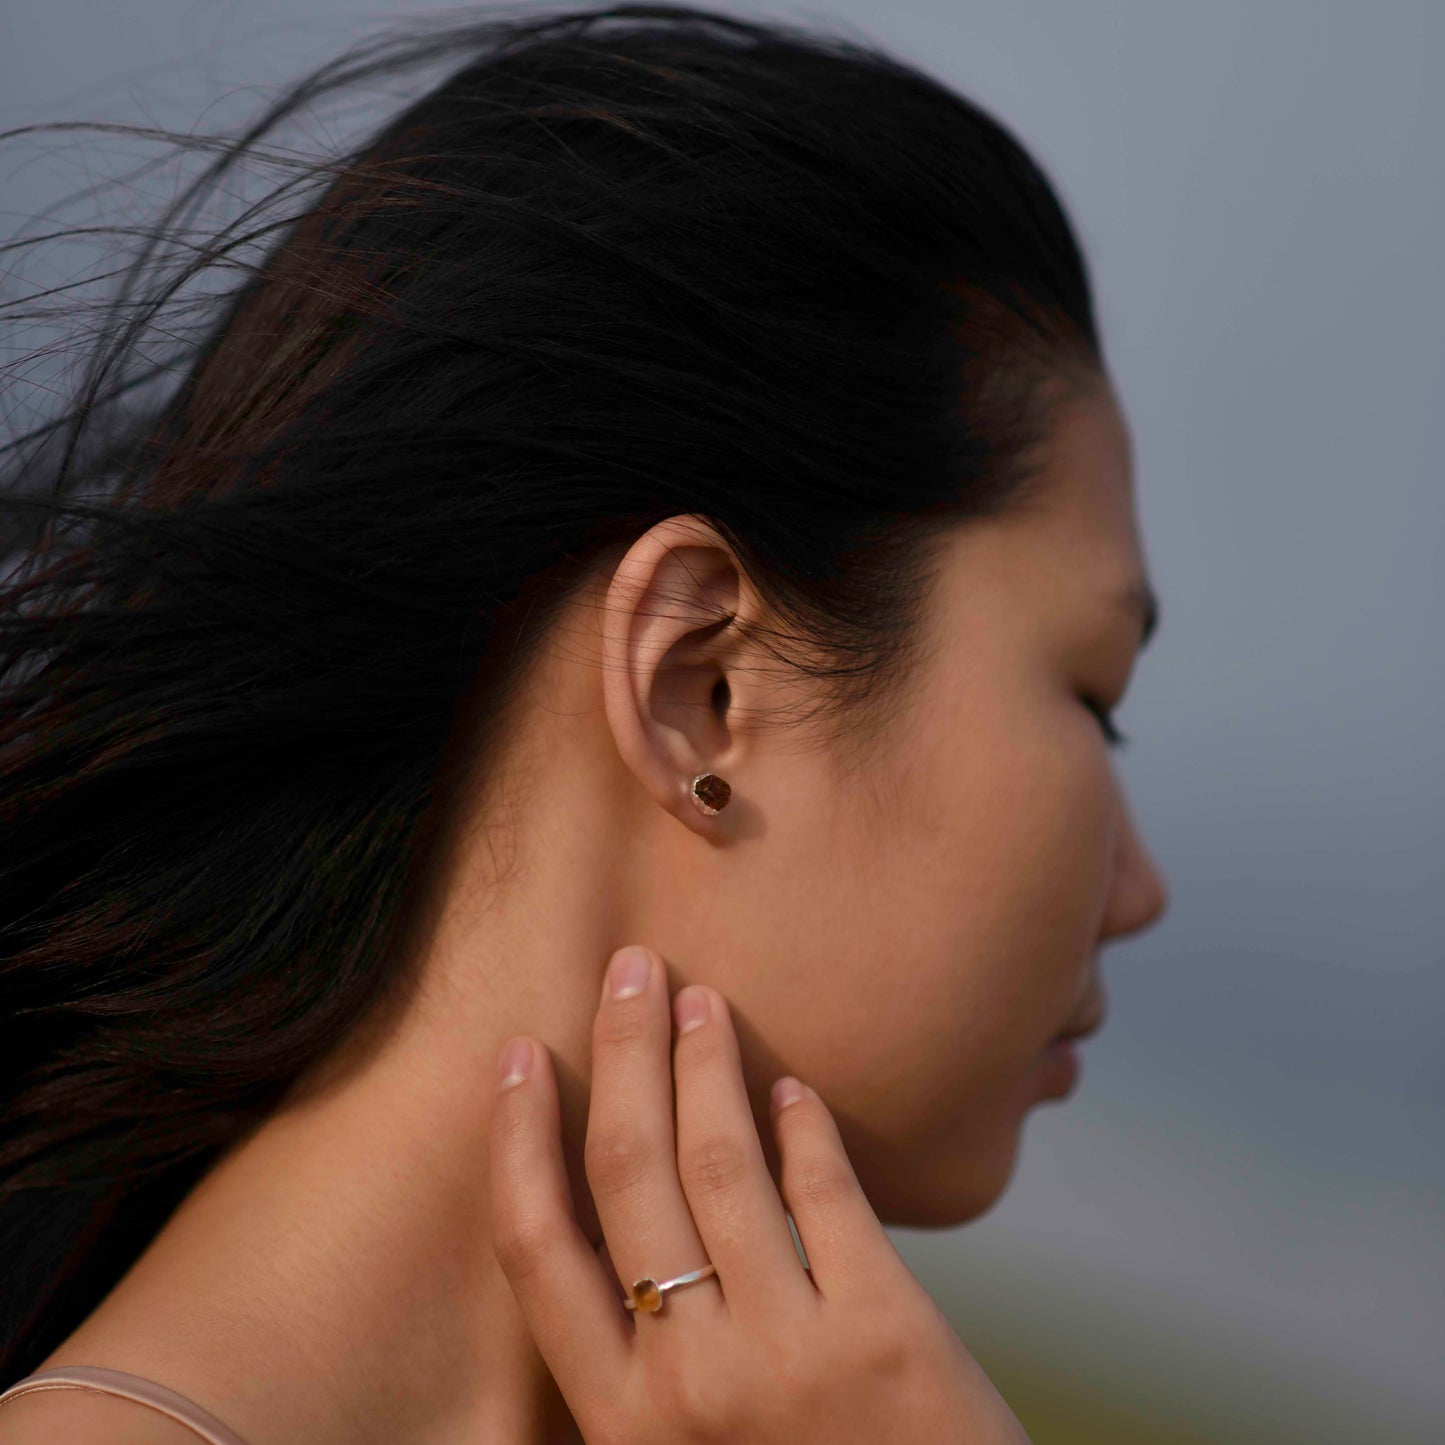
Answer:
(647, 1293)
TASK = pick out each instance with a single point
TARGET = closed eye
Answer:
(1112, 735)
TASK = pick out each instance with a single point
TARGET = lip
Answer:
(1063, 1063)
(1062, 1066)
(1093, 1021)
(1083, 1031)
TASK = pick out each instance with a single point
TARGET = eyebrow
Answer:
(1139, 599)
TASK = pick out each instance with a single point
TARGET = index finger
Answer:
(570, 1305)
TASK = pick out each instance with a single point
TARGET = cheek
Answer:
(945, 924)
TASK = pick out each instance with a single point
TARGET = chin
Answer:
(942, 1192)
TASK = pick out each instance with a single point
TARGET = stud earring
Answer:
(710, 792)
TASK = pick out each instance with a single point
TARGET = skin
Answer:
(906, 938)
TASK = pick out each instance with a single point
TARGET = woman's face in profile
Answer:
(909, 937)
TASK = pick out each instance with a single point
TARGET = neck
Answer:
(332, 1278)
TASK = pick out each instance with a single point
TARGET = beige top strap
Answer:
(131, 1387)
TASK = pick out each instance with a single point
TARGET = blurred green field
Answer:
(1083, 1362)
(1060, 1408)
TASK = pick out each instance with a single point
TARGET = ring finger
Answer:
(631, 1151)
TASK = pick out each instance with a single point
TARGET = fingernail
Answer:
(515, 1063)
(690, 1008)
(787, 1090)
(631, 968)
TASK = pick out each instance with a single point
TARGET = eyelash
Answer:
(1112, 735)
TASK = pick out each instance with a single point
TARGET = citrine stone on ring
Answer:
(647, 1293)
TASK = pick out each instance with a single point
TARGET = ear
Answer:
(673, 680)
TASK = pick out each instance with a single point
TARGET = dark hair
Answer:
(622, 264)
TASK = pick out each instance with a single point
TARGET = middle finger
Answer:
(630, 1152)
(738, 1209)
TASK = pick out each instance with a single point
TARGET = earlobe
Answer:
(666, 643)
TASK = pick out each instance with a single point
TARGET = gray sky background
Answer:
(1250, 1176)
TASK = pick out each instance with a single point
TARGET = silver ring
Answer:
(647, 1293)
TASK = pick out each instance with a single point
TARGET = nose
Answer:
(1140, 894)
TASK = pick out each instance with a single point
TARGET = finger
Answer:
(631, 1152)
(843, 1238)
(724, 1174)
(561, 1286)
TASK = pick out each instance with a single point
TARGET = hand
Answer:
(763, 1352)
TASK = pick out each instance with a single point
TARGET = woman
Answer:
(665, 492)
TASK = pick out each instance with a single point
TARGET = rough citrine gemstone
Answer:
(712, 791)
(647, 1295)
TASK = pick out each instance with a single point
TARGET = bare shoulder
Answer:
(85, 1417)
